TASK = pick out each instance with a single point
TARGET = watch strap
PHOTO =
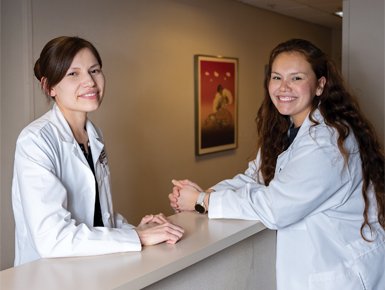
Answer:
(201, 197)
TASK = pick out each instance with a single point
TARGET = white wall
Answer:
(363, 62)
(147, 117)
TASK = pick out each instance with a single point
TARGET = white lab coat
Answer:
(53, 195)
(316, 204)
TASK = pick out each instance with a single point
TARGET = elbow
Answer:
(275, 220)
(47, 249)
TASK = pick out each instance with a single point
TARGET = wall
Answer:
(337, 47)
(15, 101)
(147, 116)
(363, 62)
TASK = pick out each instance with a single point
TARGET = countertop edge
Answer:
(178, 265)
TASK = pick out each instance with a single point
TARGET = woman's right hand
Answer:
(164, 232)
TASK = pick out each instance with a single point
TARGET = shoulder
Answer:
(326, 135)
(38, 127)
(315, 136)
(41, 133)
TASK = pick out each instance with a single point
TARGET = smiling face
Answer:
(293, 86)
(81, 90)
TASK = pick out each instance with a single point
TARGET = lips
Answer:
(89, 95)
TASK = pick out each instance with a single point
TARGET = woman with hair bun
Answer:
(317, 177)
(61, 184)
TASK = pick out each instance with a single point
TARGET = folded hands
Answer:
(185, 194)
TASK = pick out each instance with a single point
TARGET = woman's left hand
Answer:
(159, 218)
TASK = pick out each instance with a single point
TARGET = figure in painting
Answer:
(221, 117)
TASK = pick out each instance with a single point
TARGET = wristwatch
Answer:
(200, 206)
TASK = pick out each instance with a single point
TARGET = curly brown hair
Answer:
(340, 110)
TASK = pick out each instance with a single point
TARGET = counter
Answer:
(135, 270)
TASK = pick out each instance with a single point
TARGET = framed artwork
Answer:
(216, 103)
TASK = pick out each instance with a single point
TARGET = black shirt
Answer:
(98, 221)
(293, 133)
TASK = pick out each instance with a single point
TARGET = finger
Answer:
(173, 232)
(188, 182)
(173, 236)
(175, 208)
(177, 183)
(172, 240)
(164, 232)
(172, 198)
(195, 185)
(160, 219)
(174, 205)
(175, 191)
(146, 219)
(174, 229)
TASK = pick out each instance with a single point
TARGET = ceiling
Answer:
(314, 11)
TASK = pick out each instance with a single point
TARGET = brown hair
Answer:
(340, 110)
(56, 58)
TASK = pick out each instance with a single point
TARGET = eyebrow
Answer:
(92, 66)
(294, 73)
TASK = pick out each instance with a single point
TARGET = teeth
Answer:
(89, 95)
(286, 98)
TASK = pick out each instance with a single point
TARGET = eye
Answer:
(297, 78)
(72, 74)
(275, 78)
(95, 71)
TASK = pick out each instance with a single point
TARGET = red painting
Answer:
(216, 101)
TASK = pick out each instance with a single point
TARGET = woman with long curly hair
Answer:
(317, 177)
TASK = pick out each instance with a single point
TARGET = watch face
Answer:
(199, 208)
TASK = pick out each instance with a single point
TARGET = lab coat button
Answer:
(106, 215)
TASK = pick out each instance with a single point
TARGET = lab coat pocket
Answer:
(346, 278)
(370, 260)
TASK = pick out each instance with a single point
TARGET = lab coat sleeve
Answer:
(312, 180)
(44, 207)
(121, 222)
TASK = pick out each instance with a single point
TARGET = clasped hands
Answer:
(183, 198)
(185, 194)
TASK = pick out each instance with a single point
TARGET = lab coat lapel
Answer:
(305, 129)
(96, 142)
(75, 149)
(66, 134)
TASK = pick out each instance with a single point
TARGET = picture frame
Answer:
(216, 103)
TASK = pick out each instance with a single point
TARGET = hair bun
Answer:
(36, 69)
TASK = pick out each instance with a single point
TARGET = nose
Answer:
(88, 80)
(285, 86)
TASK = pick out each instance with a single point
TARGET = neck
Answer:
(77, 122)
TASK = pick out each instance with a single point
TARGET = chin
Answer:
(92, 107)
(284, 112)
